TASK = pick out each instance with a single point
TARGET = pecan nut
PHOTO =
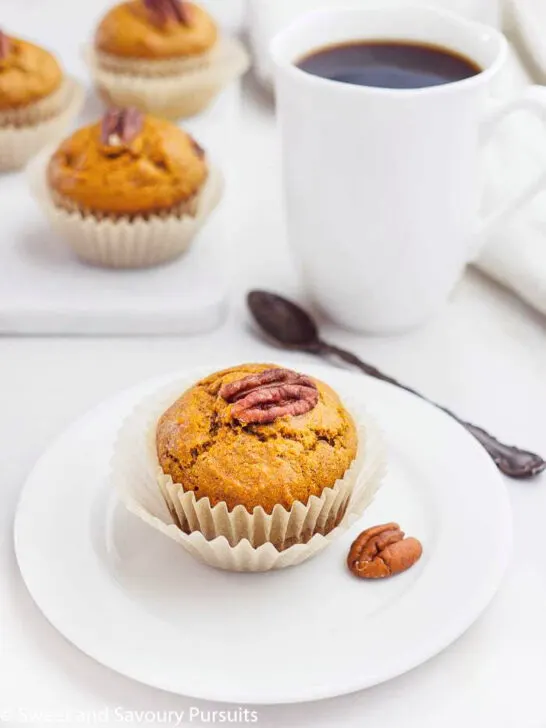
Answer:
(164, 11)
(5, 46)
(383, 551)
(121, 126)
(262, 398)
(198, 149)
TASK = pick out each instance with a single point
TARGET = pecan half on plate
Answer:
(383, 551)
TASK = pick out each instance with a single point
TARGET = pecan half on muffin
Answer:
(128, 165)
(36, 100)
(163, 56)
(262, 438)
(129, 191)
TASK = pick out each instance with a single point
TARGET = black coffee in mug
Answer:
(389, 64)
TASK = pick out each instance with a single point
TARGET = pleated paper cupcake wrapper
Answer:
(238, 540)
(124, 242)
(172, 96)
(153, 69)
(39, 111)
(19, 144)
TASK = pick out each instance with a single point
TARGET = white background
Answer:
(484, 355)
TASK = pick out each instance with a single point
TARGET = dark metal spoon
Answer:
(293, 328)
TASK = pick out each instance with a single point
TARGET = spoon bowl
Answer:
(283, 320)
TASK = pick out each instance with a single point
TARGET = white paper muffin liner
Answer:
(166, 67)
(172, 96)
(239, 541)
(19, 143)
(39, 111)
(124, 242)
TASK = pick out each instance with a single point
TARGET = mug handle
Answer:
(533, 99)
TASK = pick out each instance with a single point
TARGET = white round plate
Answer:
(136, 602)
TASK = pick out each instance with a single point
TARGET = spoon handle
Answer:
(510, 460)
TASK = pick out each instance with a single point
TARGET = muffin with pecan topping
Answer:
(257, 436)
(128, 165)
(130, 190)
(155, 37)
(163, 56)
(36, 100)
(258, 452)
(31, 82)
(252, 468)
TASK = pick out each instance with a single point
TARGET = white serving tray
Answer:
(44, 289)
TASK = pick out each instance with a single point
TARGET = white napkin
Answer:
(527, 20)
(515, 254)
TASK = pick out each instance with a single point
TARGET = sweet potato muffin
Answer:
(128, 165)
(166, 57)
(131, 191)
(31, 82)
(155, 30)
(37, 101)
(256, 435)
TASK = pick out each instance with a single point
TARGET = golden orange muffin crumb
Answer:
(159, 169)
(203, 447)
(130, 30)
(28, 74)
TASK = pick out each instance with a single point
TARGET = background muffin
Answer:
(37, 102)
(165, 57)
(131, 191)
(205, 444)
(179, 33)
(31, 82)
(128, 165)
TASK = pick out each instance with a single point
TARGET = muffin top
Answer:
(156, 30)
(28, 73)
(256, 435)
(128, 164)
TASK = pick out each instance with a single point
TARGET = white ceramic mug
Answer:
(383, 185)
(266, 18)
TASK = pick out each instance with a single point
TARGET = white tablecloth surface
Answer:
(484, 355)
